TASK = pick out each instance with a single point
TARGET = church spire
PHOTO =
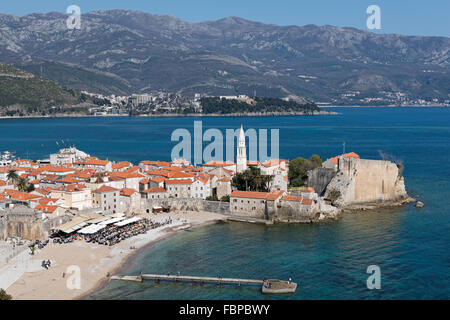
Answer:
(241, 153)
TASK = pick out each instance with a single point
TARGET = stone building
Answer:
(179, 188)
(26, 223)
(201, 188)
(107, 199)
(129, 201)
(155, 193)
(75, 196)
(261, 205)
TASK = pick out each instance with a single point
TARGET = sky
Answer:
(409, 17)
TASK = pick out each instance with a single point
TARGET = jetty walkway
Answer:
(268, 286)
(176, 278)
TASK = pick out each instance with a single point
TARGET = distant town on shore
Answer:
(22, 94)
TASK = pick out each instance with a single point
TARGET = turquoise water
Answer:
(328, 260)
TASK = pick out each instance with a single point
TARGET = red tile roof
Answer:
(177, 175)
(156, 163)
(347, 155)
(274, 195)
(154, 190)
(19, 195)
(302, 200)
(93, 162)
(258, 195)
(159, 179)
(274, 162)
(292, 198)
(127, 192)
(126, 175)
(104, 189)
(46, 209)
(219, 164)
(46, 201)
(181, 181)
(121, 165)
(249, 194)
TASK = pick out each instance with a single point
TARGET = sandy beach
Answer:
(25, 279)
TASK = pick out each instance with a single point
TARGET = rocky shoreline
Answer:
(259, 114)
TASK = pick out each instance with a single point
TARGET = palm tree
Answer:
(30, 188)
(22, 184)
(12, 175)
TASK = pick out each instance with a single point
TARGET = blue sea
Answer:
(328, 260)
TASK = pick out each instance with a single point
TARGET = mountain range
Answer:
(124, 52)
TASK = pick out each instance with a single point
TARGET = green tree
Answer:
(225, 198)
(22, 184)
(299, 167)
(317, 160)
(212, 198)
(252, 180)
(4, 295)
(12, 176)
(30, 188)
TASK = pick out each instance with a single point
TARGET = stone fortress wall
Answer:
(28, 226)
(367, 181)
(186, 204)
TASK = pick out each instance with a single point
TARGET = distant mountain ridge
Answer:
(130, 51)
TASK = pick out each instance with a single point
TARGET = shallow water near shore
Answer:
(328, 260)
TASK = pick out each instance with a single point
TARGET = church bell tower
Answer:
(241, 154)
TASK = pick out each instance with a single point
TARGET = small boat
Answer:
(272, 286)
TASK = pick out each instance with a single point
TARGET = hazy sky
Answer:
(412, 17)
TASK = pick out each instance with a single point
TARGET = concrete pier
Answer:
(175, 278)
(268, 286)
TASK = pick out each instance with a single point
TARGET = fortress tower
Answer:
(241, 154)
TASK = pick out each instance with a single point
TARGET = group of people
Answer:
(46, 264)
(112, 235)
